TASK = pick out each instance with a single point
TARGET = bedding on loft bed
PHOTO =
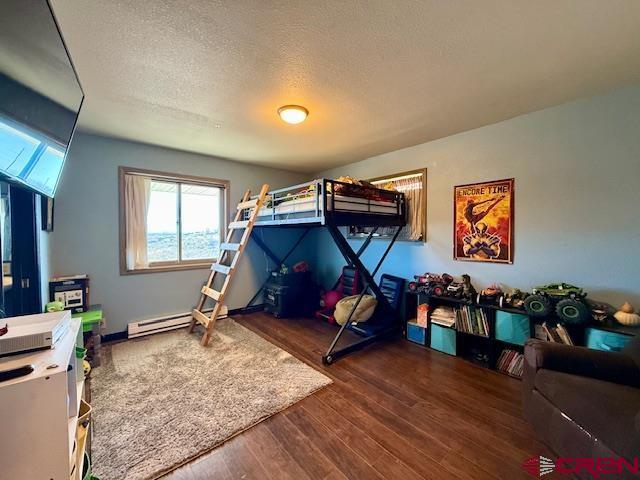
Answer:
(346, 201)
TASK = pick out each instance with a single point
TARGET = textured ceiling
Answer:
(208, 76)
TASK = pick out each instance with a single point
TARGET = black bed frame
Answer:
(332, 220)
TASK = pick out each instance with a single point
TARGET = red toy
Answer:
(330, 299)
(348, 284)
(431, 284)
(301, 267)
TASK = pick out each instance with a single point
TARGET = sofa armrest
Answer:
(613, 367)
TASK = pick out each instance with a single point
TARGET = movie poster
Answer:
(483, 222)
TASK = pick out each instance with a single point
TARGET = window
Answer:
(170, 222)
(414, 186)
(30, 157)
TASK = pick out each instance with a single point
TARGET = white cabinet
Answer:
(39, 412)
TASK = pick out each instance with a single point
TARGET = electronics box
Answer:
(72, 291)
(284, 301)
(34, 332)
(292, 279)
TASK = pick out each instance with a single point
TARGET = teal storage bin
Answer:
(604, 340)
(443, 339)
(416, 333)
(512, 327)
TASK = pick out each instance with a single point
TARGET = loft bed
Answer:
(322, 201)
(332, 204)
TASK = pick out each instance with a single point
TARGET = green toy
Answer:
(54, 307)
(560, 290)
(567, 299)
(514, 299)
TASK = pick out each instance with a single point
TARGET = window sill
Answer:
(168, 268)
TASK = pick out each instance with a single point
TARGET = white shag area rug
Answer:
(163, 400)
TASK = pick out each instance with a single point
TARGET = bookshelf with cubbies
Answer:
(485, 334)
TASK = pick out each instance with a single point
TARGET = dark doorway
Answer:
(19, 246)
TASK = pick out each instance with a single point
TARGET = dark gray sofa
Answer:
(582, 402)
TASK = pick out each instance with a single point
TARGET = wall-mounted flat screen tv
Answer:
(40, 96)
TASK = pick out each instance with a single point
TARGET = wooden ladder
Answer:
(229, 251)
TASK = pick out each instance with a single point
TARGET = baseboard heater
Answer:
(164, 324)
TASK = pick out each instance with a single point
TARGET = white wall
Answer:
(577, 193)
(85, 238)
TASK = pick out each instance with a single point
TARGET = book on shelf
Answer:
(557, 334)
(539, 332)
(564, 334)
(444, 315)
(511, 362)
(473, 320)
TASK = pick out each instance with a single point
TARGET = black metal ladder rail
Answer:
(274, 258)
(360, 251)
(369, 283)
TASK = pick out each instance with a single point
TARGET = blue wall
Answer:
(577, 198)
(85, 238)
(577, 171)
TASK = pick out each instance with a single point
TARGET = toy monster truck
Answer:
(455, 290)
(568, 301)
(431, 284)
(514, 299)
(491, 294)
(462, 290)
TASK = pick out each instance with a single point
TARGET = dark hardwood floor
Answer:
(395, 411)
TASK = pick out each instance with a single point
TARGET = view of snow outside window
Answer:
(199, 223)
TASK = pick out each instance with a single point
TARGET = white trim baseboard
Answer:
(164, 324)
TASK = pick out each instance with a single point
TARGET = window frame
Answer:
(180, 179)
(45, 141)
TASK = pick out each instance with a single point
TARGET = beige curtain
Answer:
(137, 190)
(414, 194)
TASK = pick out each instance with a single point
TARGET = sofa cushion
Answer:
(608, 411)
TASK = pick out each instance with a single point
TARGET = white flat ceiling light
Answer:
(293, 114)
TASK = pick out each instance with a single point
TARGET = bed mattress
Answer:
(341, 203)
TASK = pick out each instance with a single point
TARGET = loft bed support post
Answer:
(350, 255)
(369, 283)
(360, 251)
(367, 241)
(274, 258)
(265, 248)
(295, 245)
